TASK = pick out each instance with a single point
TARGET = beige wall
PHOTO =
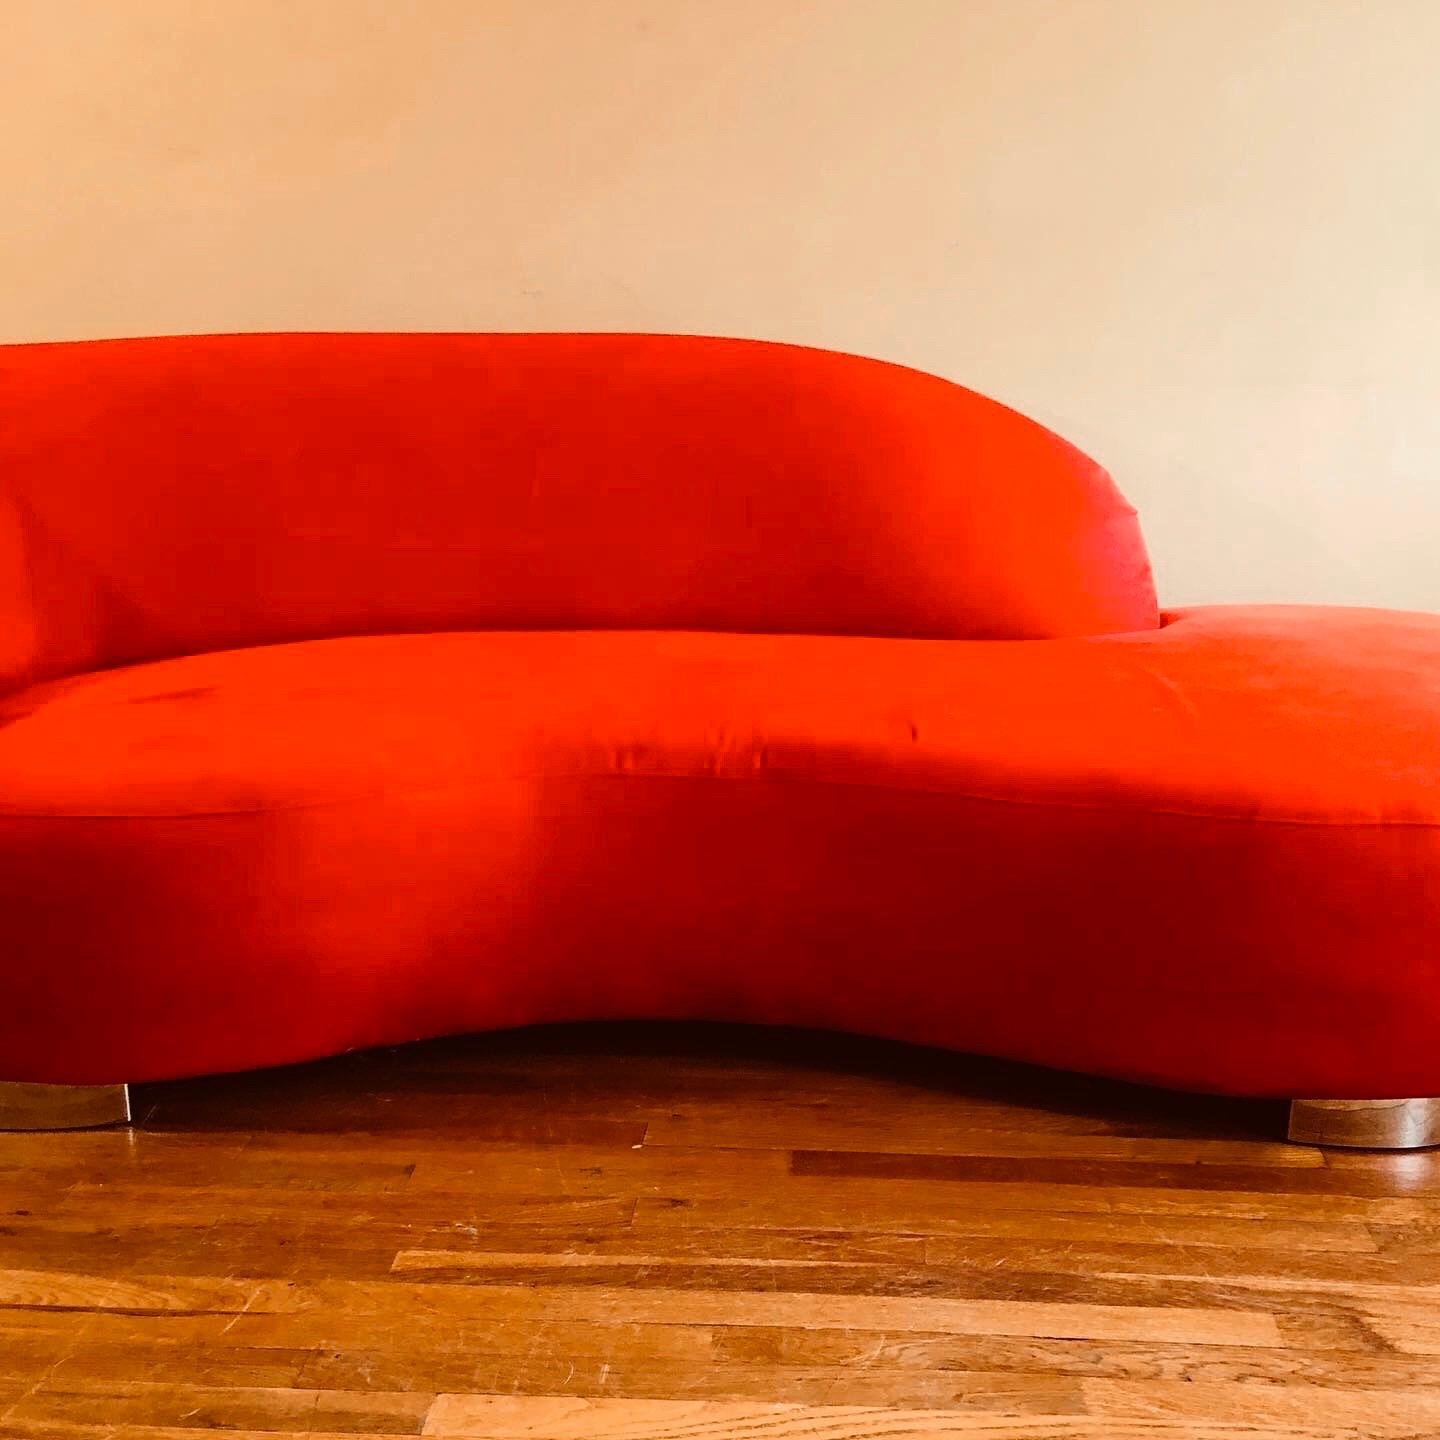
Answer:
(1199, 237)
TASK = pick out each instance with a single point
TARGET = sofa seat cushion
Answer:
(1203, 855)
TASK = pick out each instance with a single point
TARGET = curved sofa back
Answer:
(171, 495)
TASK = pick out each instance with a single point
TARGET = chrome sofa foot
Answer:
(1366, 1124)
(24, 1106)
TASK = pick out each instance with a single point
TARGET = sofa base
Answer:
(62, 1107)
(1366, 1124)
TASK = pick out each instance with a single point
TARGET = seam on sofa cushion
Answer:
(769, 778)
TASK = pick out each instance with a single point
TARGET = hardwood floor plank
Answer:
(358, 1301)
(927, 1129)
(1421, 1177)
(471, 1417)
(1407, 1412)
(901, 1427)
(198, 1407)
(945, 1207)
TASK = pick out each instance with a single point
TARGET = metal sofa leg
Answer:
(1366, 1124)
(24, 1106)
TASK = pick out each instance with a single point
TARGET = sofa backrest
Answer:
(171, 495)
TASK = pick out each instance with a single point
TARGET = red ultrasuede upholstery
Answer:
(201, 493)
(1203, 854)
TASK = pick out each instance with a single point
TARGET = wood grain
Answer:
(649, 1233)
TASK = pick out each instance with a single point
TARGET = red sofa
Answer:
(355, 688)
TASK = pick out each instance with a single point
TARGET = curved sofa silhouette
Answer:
(359, 688)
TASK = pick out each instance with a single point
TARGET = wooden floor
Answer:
(696, 1234)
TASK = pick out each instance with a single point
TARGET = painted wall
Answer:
(1199, 237)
